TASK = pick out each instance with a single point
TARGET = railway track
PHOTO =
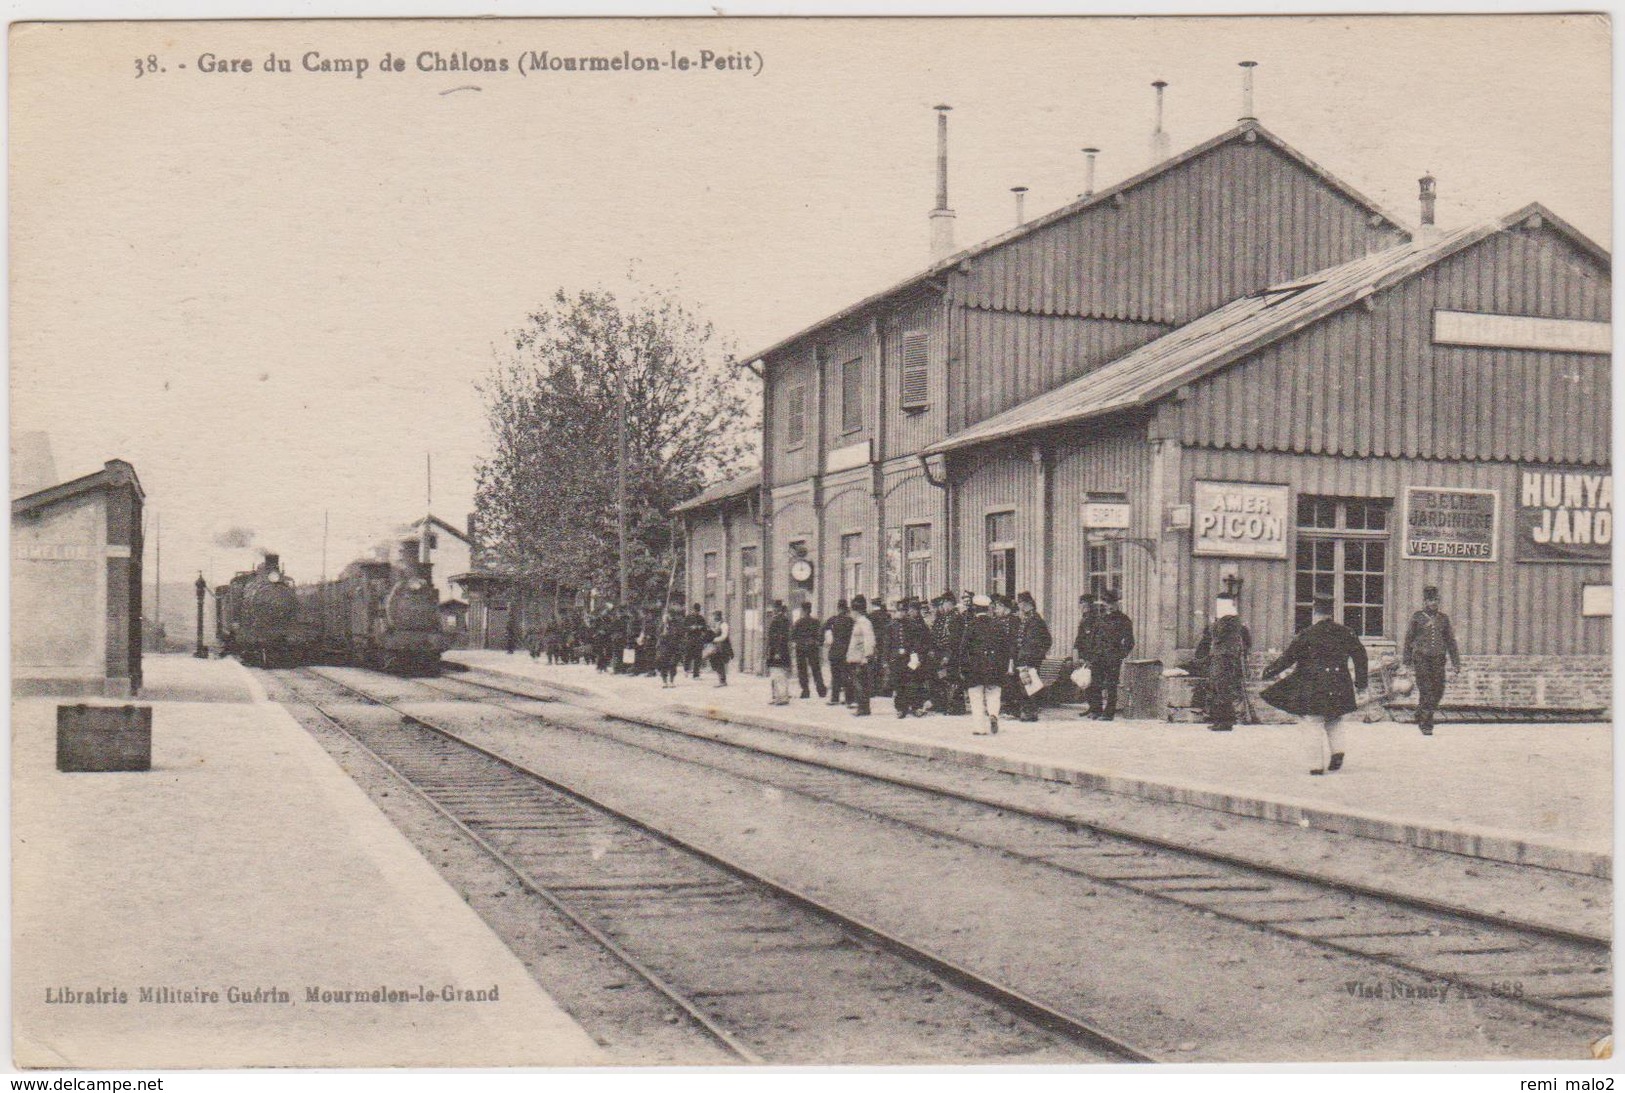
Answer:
(767, 973)
(1546, 969)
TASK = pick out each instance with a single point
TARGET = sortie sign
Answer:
(1239, 519)
(1447, 524)
(1565, 514)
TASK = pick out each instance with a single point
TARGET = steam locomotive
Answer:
(379, 614)
(256, 617)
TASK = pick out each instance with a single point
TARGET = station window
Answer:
(917, 560)
(1106, 566)
(852, 395)
(713, 580)
(1001, 553)
(795, 416)
(1343, 553)
(851, 565)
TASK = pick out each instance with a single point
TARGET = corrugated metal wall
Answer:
(992, 479)
(911, 499)
(793, 519)
(849, 508)
(1011, 358)
(705, 533)
(1502, 607)
(850, 344)
(1088, 461)
(1232, 221)
(1373, 383)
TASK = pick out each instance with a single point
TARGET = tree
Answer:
(546, 500)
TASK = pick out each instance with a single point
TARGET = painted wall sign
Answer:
(1522, 332)
(1447, 524)
(1597, 601)
(1106, 515)
(1565, 514)
(54, 552)
(843, 459)
(1240, 519)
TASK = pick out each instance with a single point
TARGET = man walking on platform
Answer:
(778, 654)
(695, 636)
(807, 642)
(859, 649)
(1114, 641)
(986, 656)
(837, 635)
(1320, 687)
(1083, 646)
(1033, 640)
(1429, 642)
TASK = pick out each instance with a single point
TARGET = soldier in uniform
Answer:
(946, 633)
(910, 656)
(1429, 641)
(1114, 641)
(1083, 644)
(1033, 640)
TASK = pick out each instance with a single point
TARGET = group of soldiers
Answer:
(633, 641)
(971, 654)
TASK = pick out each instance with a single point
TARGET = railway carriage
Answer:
(379, 614)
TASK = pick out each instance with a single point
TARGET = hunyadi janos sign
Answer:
(1565, 514)
(1449, 524)
(1239, 519)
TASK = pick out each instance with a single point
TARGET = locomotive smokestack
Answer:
(407, 555)
(272, 561)
(942, 217)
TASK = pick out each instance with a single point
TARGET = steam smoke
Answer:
(235, 539)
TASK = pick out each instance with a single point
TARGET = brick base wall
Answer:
(1517, 683)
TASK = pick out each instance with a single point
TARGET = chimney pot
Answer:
(1089, 178)
(1427, 193)
(942, 217)
(1159, 139)
(1021, 204)
(1247, 114)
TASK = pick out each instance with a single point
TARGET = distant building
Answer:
(76, 586)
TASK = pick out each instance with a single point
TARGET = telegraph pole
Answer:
(620, 462)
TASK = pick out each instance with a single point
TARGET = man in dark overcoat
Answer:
(1429, 642)
(1033, 641)
(1114, 641)
(696, 633)
(948, 693)
(1320, 687)
(778, 654)
(806, 640)
(837, 636)
(911, 654)
(1083, 648)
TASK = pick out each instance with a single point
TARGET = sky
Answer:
(274, 293)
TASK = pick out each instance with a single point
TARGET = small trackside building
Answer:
(76, 586)
(722, 562)
(853, 404)
(1437, 413)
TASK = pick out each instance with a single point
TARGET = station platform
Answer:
(1518, 793)
(149, 908)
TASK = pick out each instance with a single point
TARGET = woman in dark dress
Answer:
(1222, 653)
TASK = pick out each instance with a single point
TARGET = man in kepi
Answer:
(1429, 641)
(1032, 646)
(1320, 688)
(778, 654)
(805, 638)
(1114, 641)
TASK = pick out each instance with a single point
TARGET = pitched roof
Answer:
(435, 521)
(749, 482)
(1100, 197)
(115, 472)
(1223, 336)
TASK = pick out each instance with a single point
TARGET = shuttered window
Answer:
(916, 364)
(852, 395)
(795, 416)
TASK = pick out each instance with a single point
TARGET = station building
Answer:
(76, 586)
(1229, 368)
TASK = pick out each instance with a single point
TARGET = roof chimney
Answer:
(1247, 114)
(942, 217)
(1159, 139)
(1021, 204)
(1428, 186)
(1089, 178)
